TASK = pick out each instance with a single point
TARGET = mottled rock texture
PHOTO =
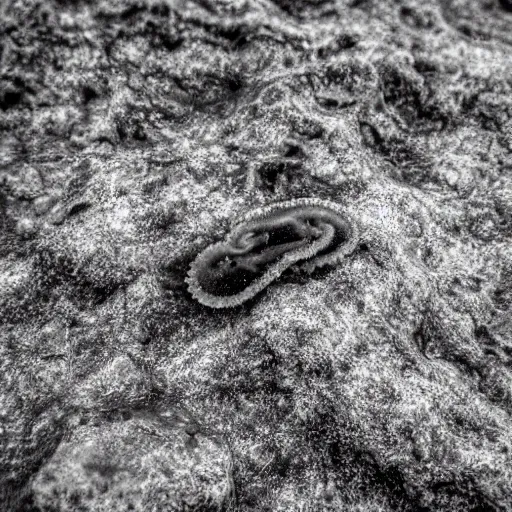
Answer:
(147, 463)
(131, 134)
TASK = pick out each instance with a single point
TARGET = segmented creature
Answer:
(305, 233)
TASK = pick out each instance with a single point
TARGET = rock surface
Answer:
(152, 462)
(132, 132)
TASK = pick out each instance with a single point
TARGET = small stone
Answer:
(57, 214)
(42, 204)
(452, 177)
(26, 227)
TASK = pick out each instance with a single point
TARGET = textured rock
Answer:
(133, 134)
(128, 465)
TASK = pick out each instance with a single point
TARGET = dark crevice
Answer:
(88, 94)
(506, 4)
(132, 11)
(162, 10)
(293, 150)
(270, 174)
(10, 99)
(78, 208)
(170, 43)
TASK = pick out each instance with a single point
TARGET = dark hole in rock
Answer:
(139, 133)
(160, 10)
(10, 99)
(77, 208)
(241, 42)
(88, 94)
(132, 11)
(231, 33)
(170, 43)
(270, 173)
(507, 5)
(328, 102)
(347, 41)
(121, 131)
(19, 82)
(101, 295)
(234, 84)
(293, 150)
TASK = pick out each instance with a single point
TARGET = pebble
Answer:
(42, 204)
(26, 227)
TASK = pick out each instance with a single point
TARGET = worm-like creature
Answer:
(261, 245)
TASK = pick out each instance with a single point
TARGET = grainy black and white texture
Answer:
(134, 134)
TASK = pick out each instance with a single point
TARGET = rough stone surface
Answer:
(132, 132)
(152, 462)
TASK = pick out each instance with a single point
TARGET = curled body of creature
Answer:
(241, 258)
(253, 263)
(304, 233)
(250, 235)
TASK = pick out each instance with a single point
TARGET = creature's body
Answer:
(309, 233)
